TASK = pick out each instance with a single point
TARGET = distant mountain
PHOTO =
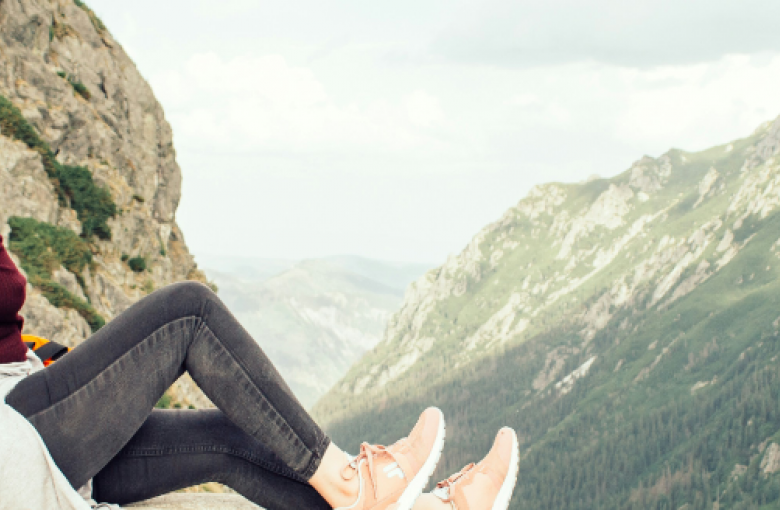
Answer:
(627, 328)
(247, 269)
(314, 318)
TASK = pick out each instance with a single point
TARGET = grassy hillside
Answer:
(626, 328)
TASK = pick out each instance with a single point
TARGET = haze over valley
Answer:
(313, 318)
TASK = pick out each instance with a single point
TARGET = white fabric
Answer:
(29, 478)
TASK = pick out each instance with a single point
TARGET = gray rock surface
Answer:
(771, 461)
(197, 502)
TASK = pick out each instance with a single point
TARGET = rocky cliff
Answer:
(626, 327)
(76, 120)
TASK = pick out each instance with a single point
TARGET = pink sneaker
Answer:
(487, 485)
(396, 475)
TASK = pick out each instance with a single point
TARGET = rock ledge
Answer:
(196, 502)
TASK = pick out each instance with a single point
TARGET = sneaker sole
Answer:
(420, 481)
(508, 487)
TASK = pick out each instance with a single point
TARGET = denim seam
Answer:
(316, 458)
(235, 452)
(254, 384)
(151, 336)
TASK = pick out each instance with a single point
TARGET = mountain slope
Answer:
(315, 319)
(626, 328)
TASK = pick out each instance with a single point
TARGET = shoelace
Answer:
(367, 453)
(445, 485)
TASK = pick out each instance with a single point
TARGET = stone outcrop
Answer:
(84, 96)
(771, 462)
(197, 502)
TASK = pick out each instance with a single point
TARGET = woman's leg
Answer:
(180, 448)
(88, 405)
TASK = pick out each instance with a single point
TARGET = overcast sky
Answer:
(396, 130)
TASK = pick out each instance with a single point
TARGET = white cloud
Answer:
(686, 106)
(701, 104)
(640, 33)
(523, 100)
(423, 109)
(267, 77)
(251, 103)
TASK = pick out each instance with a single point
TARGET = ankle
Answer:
(329, 482)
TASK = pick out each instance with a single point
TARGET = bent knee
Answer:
(190, 292)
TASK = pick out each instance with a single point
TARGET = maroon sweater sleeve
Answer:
(12, 295)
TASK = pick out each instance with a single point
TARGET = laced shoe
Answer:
(487, 485)
(396, 475)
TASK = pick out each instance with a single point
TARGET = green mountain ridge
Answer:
(627, 328)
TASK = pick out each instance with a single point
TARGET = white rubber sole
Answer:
(418, 483)
(508, 487)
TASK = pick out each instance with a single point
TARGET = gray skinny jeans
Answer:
(94, 408)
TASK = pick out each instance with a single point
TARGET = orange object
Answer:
(48, 351)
